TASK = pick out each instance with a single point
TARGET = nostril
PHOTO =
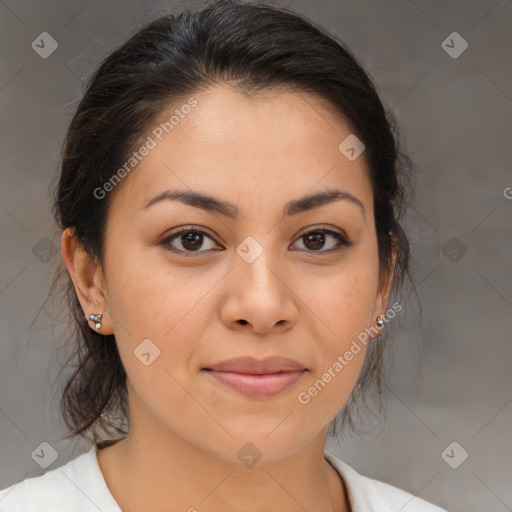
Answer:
(243, 322)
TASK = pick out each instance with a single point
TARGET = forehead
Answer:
(276, 146)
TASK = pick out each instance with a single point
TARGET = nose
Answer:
(259, 294)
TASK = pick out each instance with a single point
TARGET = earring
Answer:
(97, 320)
(380, 322)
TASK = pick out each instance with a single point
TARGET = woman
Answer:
(229, 200)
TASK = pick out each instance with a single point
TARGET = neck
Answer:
(175, 476)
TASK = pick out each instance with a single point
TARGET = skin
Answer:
(297, 302)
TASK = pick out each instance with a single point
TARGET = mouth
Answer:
(257, 378)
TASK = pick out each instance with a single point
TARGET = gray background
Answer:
(455, 117)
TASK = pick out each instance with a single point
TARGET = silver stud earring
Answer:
(97, 320)
(380, 322)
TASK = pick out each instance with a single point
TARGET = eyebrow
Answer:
(293, 207)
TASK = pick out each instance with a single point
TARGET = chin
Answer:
(256, 443)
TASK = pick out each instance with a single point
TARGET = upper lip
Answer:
(251, 365)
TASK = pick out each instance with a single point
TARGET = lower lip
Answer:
(258, 386)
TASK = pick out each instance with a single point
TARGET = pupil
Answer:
(191, 238)
(318, 240)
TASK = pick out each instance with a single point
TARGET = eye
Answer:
(315, 239)
(190, 239)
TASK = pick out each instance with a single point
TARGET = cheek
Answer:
(158, 312)
(162, 303)
(341, 303)
(146, 298)
(341, 309)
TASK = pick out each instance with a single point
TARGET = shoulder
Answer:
(55, 488)
(368, 495)
(77, 485)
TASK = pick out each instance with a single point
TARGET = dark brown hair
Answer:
(254, 47)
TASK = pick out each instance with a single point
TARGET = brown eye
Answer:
(191, 240)
(315, 240)
(188, 240)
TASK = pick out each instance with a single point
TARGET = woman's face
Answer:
(247, 284)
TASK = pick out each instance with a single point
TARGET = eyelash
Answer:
(343, 242)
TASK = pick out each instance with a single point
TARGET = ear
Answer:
(385, 285)
(88, 280)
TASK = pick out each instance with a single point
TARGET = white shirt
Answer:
(79, 486)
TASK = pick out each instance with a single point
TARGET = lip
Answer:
(257, 378)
